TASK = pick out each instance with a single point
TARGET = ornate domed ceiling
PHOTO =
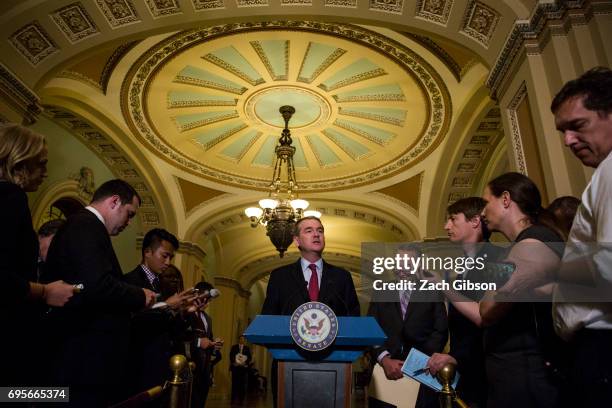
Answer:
(207, 100)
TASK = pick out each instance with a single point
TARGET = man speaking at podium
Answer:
(310, 279)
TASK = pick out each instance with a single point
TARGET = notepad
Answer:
(414, 367)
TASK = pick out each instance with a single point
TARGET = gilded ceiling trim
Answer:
(452, 65)
(100, 83)
(543, 16)
(111, 155)
(19, 96)
(439, 112)
(436, 11)
(515, 129)
(232, 283)
(331, 58)
(34, 43)
(479, 22)
(475, 155)
(112, 62)
(362, 215)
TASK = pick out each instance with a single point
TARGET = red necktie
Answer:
(313, 284)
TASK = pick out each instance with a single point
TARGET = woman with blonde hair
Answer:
(23, 167)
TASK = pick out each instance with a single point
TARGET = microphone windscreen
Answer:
(214, 293)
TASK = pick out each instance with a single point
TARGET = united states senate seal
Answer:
(313, 326)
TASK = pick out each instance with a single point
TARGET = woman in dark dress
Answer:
(519, 336)
(23, 167)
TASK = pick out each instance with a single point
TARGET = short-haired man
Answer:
(464, 226)
(46, 232)
(410, 321)
(93, 328)
(583, 113)
(240, 360)
(202, 348)
(310, 278)
(154, 331)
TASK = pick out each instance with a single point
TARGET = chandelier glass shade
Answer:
(282, 208)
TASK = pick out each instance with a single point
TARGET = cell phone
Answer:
(499, 272)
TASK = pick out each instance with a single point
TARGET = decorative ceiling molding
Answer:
(480, 21)
(232, 283)
(194, 195)
(363, 215)
(163, 8)
(515, 128)
(436, 11)
(387, 6)
(118, 13)
(426, 78)
(19, 96)
(475, 154)
(97, 70)
(192, 249)
(546, 16)
(114, 157)
(33, 42)
(74, 21)
(458, 70)
(407, 192)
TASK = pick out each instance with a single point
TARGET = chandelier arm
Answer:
(280, 216)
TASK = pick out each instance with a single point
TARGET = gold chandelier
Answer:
(280, 211)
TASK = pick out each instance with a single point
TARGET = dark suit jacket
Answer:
(92, 329)
(18, 262)
(287, 290)
(235, 350)
(424, 327)
(205, 359)
(153, 339)
(18, 245)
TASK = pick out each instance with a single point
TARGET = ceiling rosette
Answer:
(207, 100)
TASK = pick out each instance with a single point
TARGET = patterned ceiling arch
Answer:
(471, 146)
(207, 224)
(121, 162)
(44, 31)
(332, 146)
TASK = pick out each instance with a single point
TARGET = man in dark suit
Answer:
(93, 329)
(309, 279)
(154, 331)
(410, 321)
(295, 284)
(202, 348)
(240, 358)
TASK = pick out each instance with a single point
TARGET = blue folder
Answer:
(414, 367)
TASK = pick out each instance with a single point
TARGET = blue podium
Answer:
(318, 379)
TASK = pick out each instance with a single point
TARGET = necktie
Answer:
(155, 284)
(404, 302)
(313, 284)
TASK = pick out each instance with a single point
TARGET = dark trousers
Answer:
(592, 369)
(239, 383)
(199, 389)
